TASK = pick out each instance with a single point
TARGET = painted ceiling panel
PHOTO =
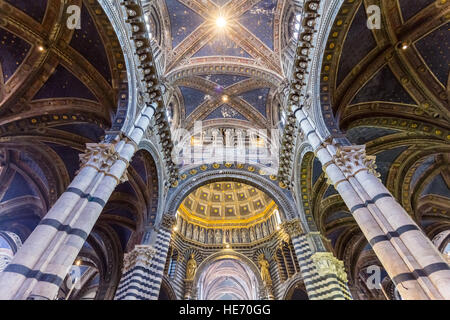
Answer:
(225, 111)
(435, 50)
(259, 21)
(34, 8)
(362, 135)
(183, 21)
(192, 99)
(385, 159)
(317, 170)
(19, 187)
(411, 7)
(88, 42)
(13, 51)
(63, 84)
(437, 186)
(257, 98)
(358, 43)
(224, 80)
(221, 3)
(33, 166)
(384, 86)
(221, 46)
(421, 169)
(330, 191)
(69, 156)
(87, 130)
(138, 164)
(123, 234)
(337, 215)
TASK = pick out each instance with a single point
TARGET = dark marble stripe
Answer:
(87, 196)
(425, 272)
(34, 274)
(393, 234)
(64, 228)
(372, 201)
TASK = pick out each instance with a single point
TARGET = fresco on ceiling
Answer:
(385, 159)
(225, 111)
(221, 46)
(33, 8)
(192, 99)
(435, 50)
(13, 51)
(224, 80)
(63, 84)
(257, 98)
(183, 21)
(88, 42)
(259, 21)
(384, 86)
(358, 43)
(410, 8)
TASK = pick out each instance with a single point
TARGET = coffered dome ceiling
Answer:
(227, 202)
(223, 59)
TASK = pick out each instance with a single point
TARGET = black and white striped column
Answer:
(323, 274)
(144, 266)
(39, 267)
(409, 257)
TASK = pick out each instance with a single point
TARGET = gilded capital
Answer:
(293, 228)
(326, 264)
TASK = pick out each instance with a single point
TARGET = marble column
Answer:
(409, 257)
(143, 268)
(7, 252)
(323, 274)
(39, 267)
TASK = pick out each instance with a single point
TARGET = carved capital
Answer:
(327, 264)
(99, 155)
(168, 221)
(141, 255)
(102, 156)
(352, 159)
(293, 228)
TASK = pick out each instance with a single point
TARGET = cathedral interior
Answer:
(224, 150)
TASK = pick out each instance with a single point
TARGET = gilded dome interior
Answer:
(227, 202)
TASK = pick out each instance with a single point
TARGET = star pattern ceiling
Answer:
(250, 37)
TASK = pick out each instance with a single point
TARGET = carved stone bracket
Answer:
(327, 264)
(141, 255)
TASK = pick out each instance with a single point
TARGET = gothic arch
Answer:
(228, 254)
(280, 196)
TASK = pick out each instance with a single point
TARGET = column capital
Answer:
(293, 227)
(141, 254)
(168, 221)
(353, 159)
(102, 156)
(326, 263)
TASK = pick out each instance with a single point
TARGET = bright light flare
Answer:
(221, 22)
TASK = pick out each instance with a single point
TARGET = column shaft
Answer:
(39, 268)
(410, 259)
